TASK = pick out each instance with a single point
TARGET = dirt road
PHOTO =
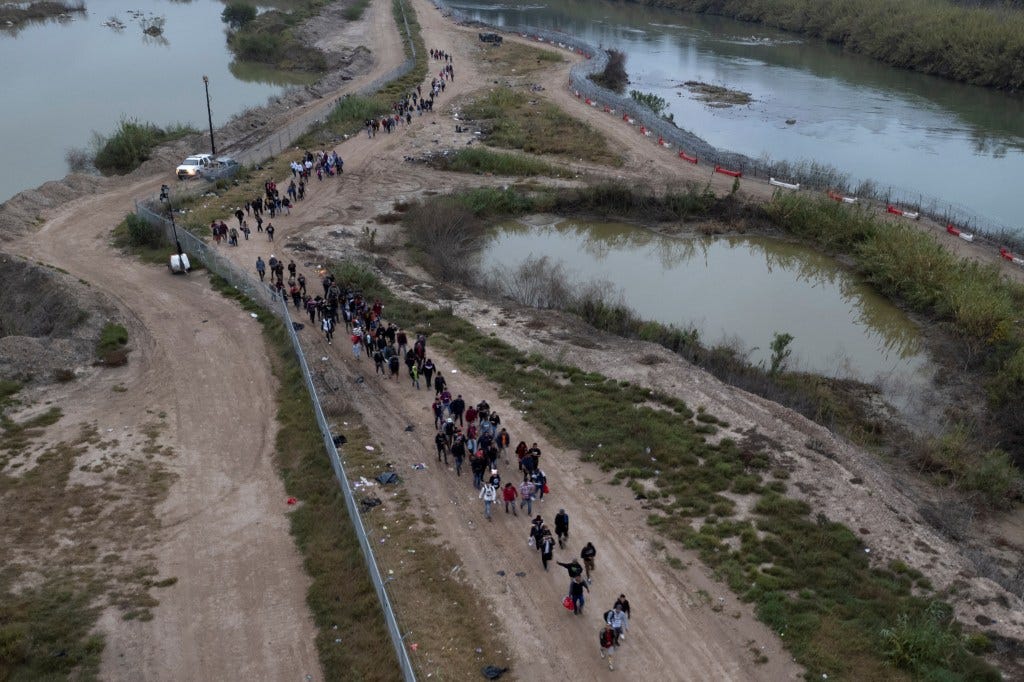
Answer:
(237, 610)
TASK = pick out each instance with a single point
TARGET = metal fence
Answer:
(265, 295)
(809, 174)
(254, 152)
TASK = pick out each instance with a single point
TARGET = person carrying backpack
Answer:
(606, 639)
(619, 621)
(488, 495)
(328, 326)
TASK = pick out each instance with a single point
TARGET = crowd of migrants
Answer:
(272, 204)
(415, 101)
(468, 436)
(466, 433)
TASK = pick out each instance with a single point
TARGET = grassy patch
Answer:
(809, 578)
(137, 237)
(514, 119)
(132, 143)
(516, 59)
(478, 160)
(110, 348)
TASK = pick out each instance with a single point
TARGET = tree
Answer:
(238, 14)
(780, 351)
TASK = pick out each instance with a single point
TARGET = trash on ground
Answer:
(419, 466)
(388, 478)
(292, 500)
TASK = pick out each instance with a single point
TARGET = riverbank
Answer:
(970, 44)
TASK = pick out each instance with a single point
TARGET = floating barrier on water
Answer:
(780, 183)
(730, 173)
(900, 212)
(841, 199)
(686, 157)
(1007, 255)
(953, 230)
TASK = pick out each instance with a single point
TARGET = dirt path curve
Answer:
(675, 635)
(238, 608)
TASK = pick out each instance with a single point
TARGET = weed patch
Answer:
(514, 119)
(132, 143)
(478, 160)
(110, 348)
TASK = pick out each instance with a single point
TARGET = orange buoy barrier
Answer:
(958, 233)
(841, 199)
(643, 130)
(685, 157)
(607, 109)
(1007, 255)
(730, 173)
(900, 212)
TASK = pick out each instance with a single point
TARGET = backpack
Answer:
(608, 615)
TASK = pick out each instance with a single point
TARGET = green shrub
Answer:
(238, 14)
(132, 143)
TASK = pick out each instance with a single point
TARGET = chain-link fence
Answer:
(253, 152)
(266, 296)
(808, 174)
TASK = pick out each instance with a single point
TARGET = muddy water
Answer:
(923, 135)
(739, 290)
(62, 80)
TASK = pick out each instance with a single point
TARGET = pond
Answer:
(738, 290)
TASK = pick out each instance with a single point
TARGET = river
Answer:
(916, 133)
(62, 80)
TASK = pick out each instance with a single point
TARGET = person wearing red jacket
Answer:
(509, 495)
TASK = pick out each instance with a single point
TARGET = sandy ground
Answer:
(237, 610)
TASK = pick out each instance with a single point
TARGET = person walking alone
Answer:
(562, 527)
(587, 554)
(328, 326)
(488, 495)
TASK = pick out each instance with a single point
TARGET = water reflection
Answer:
(744, 288)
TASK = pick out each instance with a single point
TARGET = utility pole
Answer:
(165, 195)
(209, 115)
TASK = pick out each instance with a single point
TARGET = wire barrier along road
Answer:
(256, 152)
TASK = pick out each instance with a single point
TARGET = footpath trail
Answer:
(675, 633)
(237, 610)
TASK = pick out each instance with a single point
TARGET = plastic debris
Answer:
(254, 316)
(414, 646)
(370, 448)
(292, 500)
(419, 466)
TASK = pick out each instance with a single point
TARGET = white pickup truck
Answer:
(193, 165)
